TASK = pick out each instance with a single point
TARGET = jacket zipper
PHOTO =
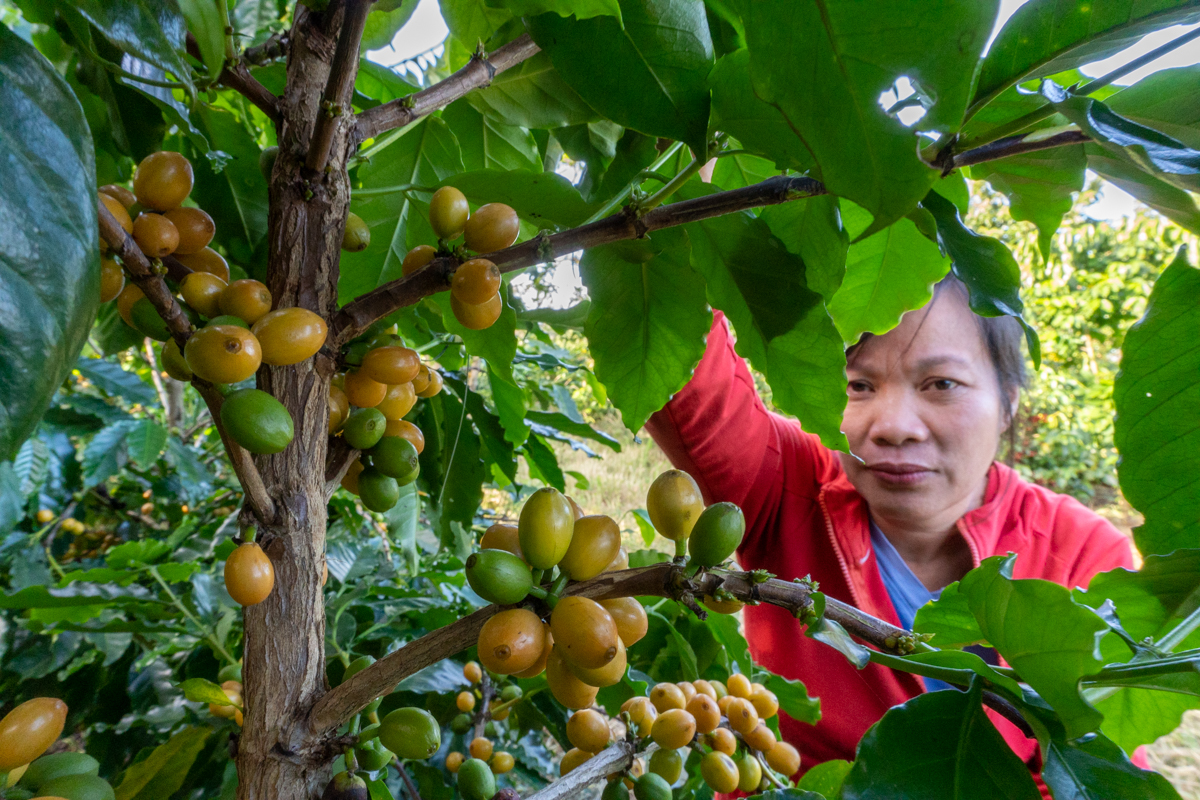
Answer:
(837, 549)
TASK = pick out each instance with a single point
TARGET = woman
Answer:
(920, 502)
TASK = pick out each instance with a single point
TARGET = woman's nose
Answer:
(897, 419)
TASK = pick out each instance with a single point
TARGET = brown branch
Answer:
(660, 580)
(274, 48)
(1016, 145)
(150, 281)
(478, 73)
(237, 76)
(359, 314)
(616, 758)
(338, 459)
(363, 311)
(335, 102)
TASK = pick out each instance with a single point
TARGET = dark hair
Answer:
(1002, 337)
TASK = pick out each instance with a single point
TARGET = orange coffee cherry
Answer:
(630, 616)
(364, 392)
(290, 335)
(118, 210)
(588, 730)
(666, 696)
(391, 365)
(511, 641)
(448, 213)
(195, 226)
(475, 282)
(125, 300)
(202, 291)
(163, 180)
(398, 401)
(155, 235)
(673, 729)
(416, 258)
(206, 260)
(246, 299)
(705, 710)
(123, 195)
(406, 430)
(433, 387)
(112, 279)
(223, 353)
(477, 317)
(784, 759)
(493, 227)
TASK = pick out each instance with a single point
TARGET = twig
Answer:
(274, 48)
(408, 781)
(335, 102)
(148, 350)
(155, 288)
(659, 580)
(486, 692)
(1015, 145)
(236, 76)
(478, 73)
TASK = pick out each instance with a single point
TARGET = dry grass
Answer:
(617, 484)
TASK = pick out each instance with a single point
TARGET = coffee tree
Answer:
(323, 249)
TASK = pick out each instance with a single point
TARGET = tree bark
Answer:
(284, 659)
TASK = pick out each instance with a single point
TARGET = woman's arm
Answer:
(718, 430)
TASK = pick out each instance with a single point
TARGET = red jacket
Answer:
(803, 517)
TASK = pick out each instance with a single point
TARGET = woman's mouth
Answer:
(899, 474)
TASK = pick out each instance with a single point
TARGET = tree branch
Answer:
(478, 73)
(660, 580)
(1016, 145)
(362, 312)
(358, 315)
(335, 102)
(237, 77)
(150, 281)
(617, 757)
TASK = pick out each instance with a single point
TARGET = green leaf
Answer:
(1160, 155)
(77, 594)
(567, 425)
(1045, 36)
(1049, 639)
(424, 156)
(650, 74)
(826, 67)
(110, 334)
(647, 322)
(199, 690)
(509, 399)
(825, 779)
(48, 250)
(939, 744)
(533, 95)
(546, 199)
(949, 619)
(162, 772)
(1157, 397)
(460, 489)
(1173, 203)
(235, 194)
(383, 24)
(1167, 100)
(375, 84)
(497, 344)
(645, 526)
(1075, 771)
(742, 169)
(812, 229)
(543, 464)
(472, 21)
(12, 499)
(757, 125)
(142, 551)
(687, 656)
(793, 699)
(581, 9)
(145, 443)
(105, 454)
(781, 324)
(887, 274)
(110, 378)
(1040, 186)
(152, 30)
(402, 525)
(490, 144)
(985, 265)
(204, 22)
(1134, 717)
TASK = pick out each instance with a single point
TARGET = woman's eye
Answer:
(944, 384)
(858, 386)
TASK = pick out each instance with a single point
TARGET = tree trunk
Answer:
(284, 661)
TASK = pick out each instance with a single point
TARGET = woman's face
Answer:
(924, 416)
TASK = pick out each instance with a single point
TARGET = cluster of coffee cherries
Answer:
(367, 406)
(237, 330)
(481, 748)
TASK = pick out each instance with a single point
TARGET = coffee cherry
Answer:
(122, 195)
(475, 282)
(196, 229)
(493, 227)
(206, 260)
(163, 180)
(202, 291)
(118, 211)
(477, 317)
(416, 258)
(247, 299)
(364, 392)
(448, 213)
(112, 279)
(357, 236)
(155, 235)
